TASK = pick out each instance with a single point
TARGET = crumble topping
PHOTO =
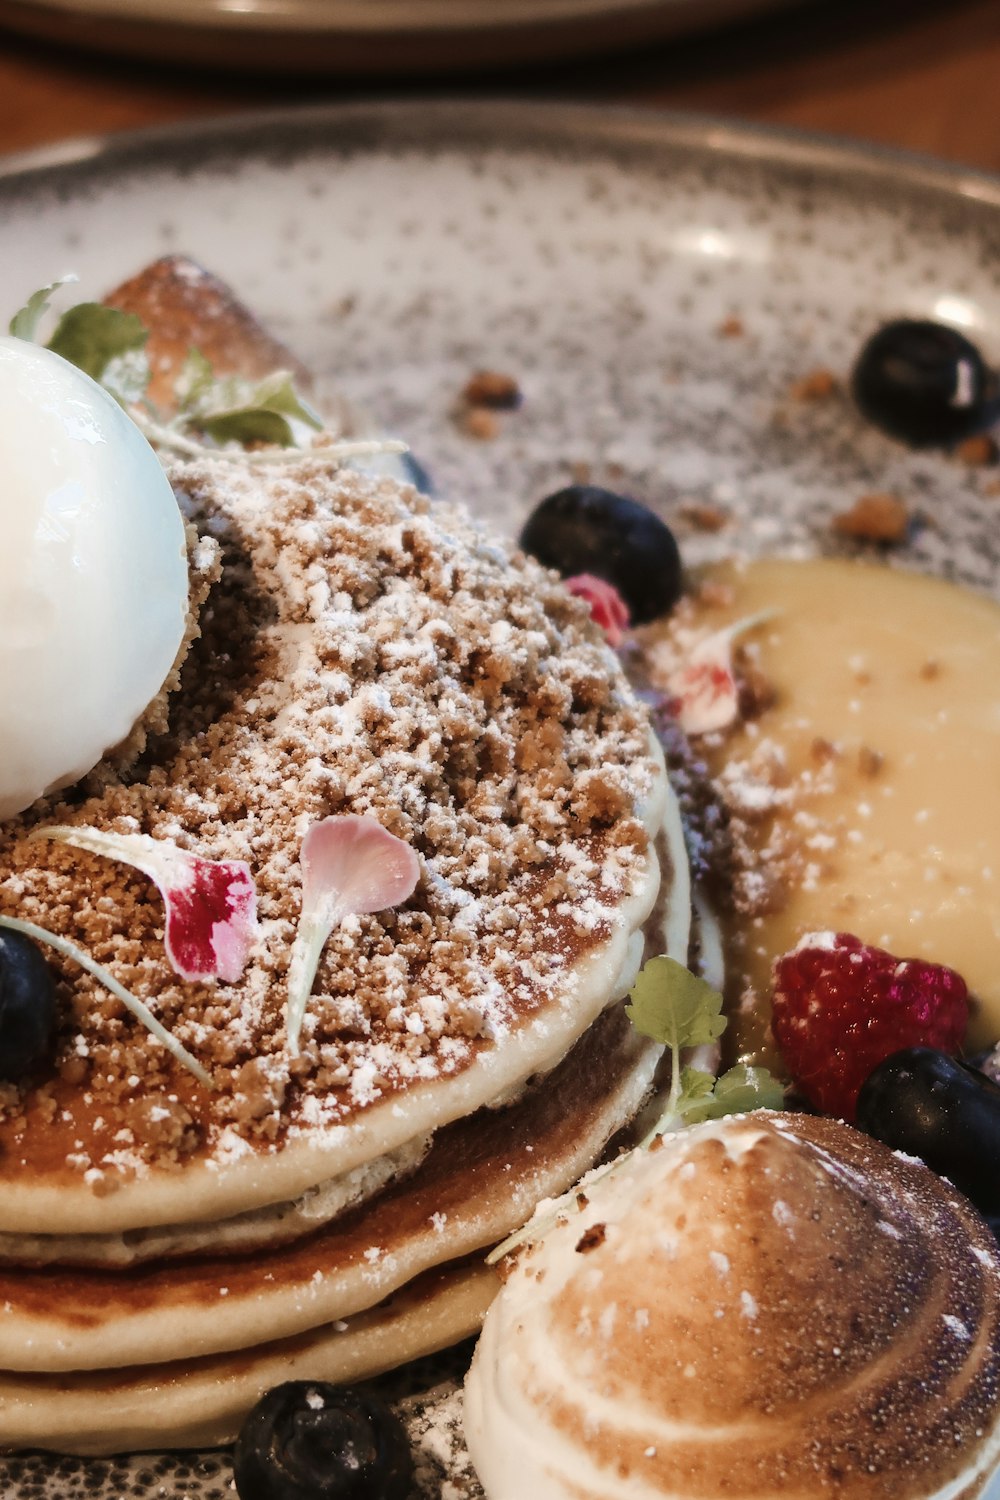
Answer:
(492, 388)
(204, 569)
(816, 385)
(878, 517)
(366, 651)
(979, 451)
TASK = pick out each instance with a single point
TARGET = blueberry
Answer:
(924, 383)
(925, 1103)
(27, 1006)
(584, 529)
(307, 1440)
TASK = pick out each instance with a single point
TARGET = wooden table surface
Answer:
(921, 74)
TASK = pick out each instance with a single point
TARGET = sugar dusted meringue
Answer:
(93, 574)
(769, 1305)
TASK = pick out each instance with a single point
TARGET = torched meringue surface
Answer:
(765, 1306)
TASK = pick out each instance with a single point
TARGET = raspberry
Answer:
(840, 1007)
(607, 607)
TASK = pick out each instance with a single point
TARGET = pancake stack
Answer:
(169, 1248)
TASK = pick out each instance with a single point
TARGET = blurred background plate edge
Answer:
(329, 37)
(466, 122)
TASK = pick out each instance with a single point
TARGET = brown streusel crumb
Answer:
(705, 517)
(481, 422)
(874, 518)
(818, 385)
(979, 451)
(365, 651)
(591, 1238)
(494, 389)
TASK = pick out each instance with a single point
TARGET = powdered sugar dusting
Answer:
(397, 665)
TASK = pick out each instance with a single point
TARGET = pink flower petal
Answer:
(211, 904)
(607, 607)
(703, 687)
(368, 867)
(705, 696)
(211, 919)
(351, 866)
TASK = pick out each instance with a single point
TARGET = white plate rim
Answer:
(466, 121)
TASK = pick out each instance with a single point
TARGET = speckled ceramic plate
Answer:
(657, 287)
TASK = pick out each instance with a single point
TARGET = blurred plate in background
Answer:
(367, 36)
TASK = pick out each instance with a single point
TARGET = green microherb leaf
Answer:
(251, 426)
(695, 1093)
(193, 385)
(90, 336)
(109, 345)
(740, 1090)
(24, 324)
(232, 410)
(278, 394)
(674, 1006)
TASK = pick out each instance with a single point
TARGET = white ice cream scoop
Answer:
(93, 574)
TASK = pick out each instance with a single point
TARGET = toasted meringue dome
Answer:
(769, 1305)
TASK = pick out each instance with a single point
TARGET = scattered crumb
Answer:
(705, 517)
(344, 306)
(492, 389)
(978, 452)
(481, 423)
(878, 517)
(816, 386)
(823, 750)
(591, 1238)
(715, 595)
(870, 762)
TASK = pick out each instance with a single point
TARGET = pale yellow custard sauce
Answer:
(866, 796)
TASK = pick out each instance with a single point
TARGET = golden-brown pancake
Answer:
(201, 1403)
(481, 1179)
